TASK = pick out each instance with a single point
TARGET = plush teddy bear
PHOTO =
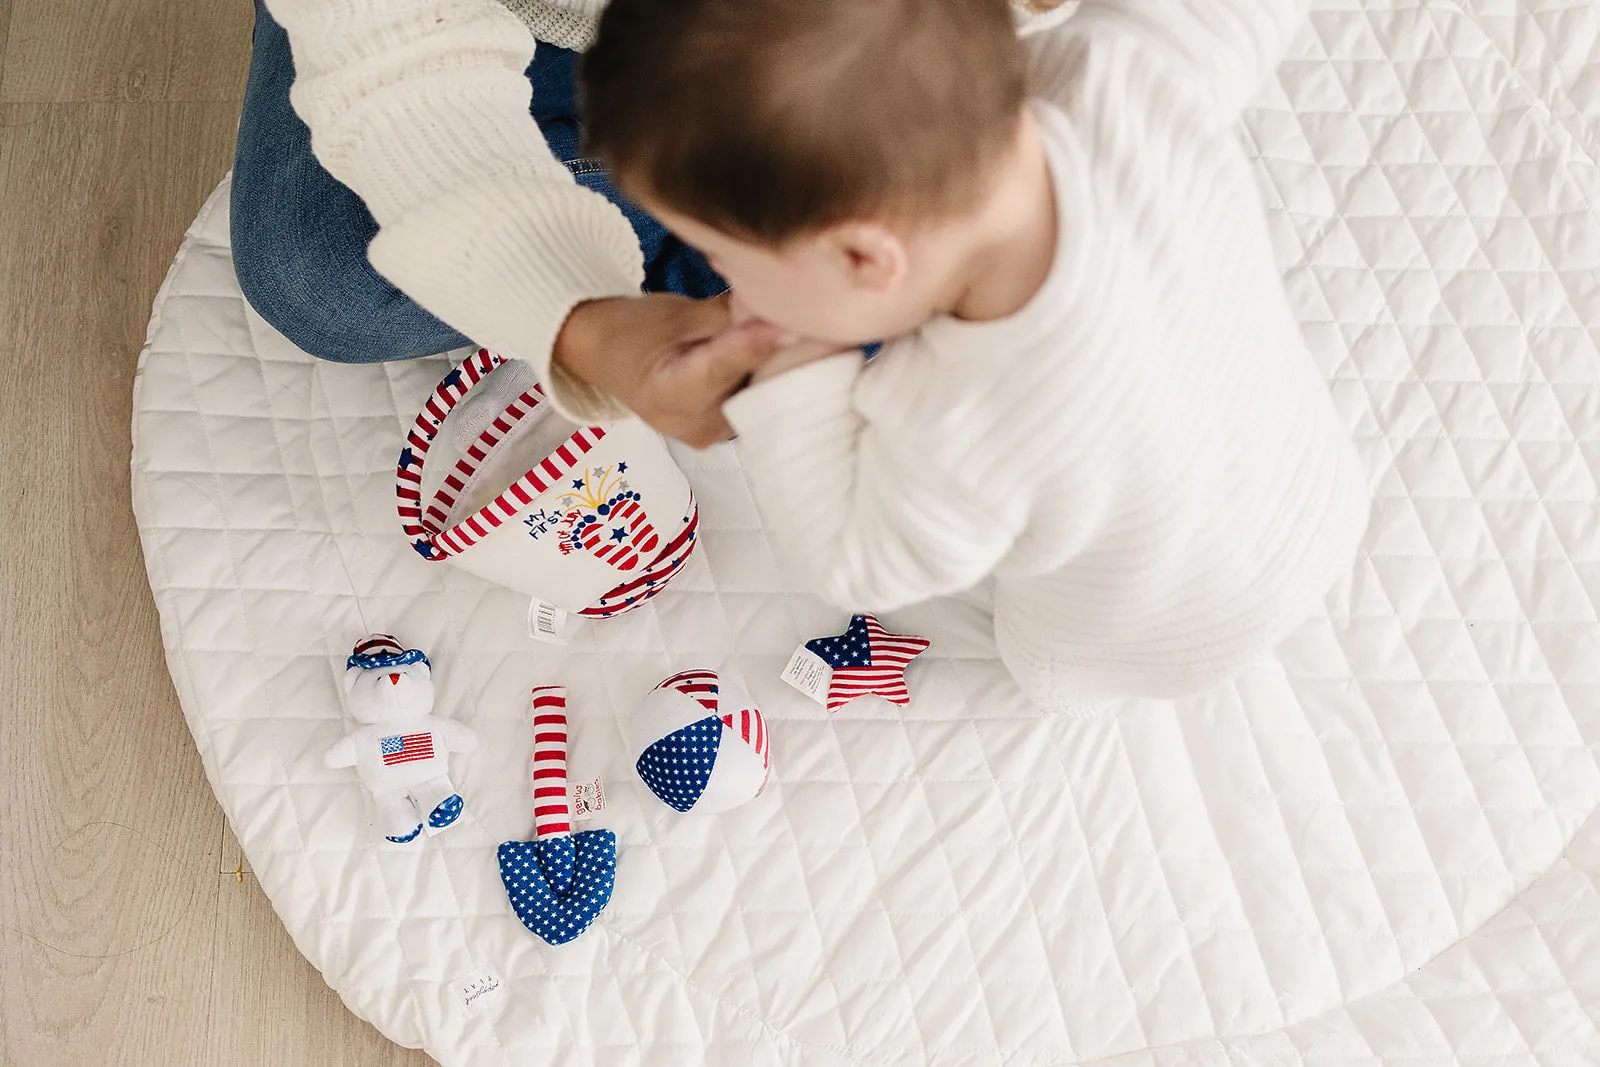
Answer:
(400, 751)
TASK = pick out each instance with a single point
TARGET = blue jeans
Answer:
(300, 236)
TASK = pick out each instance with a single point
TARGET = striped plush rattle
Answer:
(559, 882)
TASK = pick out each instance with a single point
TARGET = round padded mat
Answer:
(1382, 846)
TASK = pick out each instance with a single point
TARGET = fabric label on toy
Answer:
(809, 673)
(546, 622)
(588, 799)
(477, 991)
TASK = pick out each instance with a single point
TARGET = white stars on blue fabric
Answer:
(412, 836)
(677, 767)
(448, 811)
(853, 648)
(559, 885)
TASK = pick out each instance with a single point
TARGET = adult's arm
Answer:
(421, 108)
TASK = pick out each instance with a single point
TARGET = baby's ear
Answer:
(872, 254)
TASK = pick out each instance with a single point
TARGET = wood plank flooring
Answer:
(126, 937)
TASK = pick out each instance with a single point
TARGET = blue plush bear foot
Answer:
(412, 836)
(448, 811)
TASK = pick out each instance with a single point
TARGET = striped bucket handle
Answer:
(426, 525)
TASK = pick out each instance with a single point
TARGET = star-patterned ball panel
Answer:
(677, 767)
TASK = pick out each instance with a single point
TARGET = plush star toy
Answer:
(868, 660)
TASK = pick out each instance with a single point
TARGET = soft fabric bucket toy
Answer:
(595, 521)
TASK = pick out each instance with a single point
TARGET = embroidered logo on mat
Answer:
(477, 991)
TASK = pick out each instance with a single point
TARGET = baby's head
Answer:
(824, 154)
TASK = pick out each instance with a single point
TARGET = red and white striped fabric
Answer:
(611, 522)
(672, 559)
(743, 720)
(701, 685)
(868, 660)
(623, 554)
(552, 813)
(435, 540)
(378, 644)
(752, 728)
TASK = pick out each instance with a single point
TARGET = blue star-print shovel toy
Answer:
(560, 881)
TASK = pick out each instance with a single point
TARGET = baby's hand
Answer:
(791, 352)
(794, 355)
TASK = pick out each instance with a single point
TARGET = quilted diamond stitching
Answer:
(1300, 870)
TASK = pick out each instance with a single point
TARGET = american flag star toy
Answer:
(559, 882)
(868, 660)
(700, 744)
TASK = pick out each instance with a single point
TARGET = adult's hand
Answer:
(671, 359)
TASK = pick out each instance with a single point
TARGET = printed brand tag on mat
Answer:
(809, 673)
(477, 991)
(546, 622)
(588, 798)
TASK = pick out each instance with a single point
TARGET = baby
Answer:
(1096, 392)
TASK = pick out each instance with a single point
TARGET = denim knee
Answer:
(336, 308)
(297, 320)
(300, 237)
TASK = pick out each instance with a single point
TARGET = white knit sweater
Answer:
(1145, 456)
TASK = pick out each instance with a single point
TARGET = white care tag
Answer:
(477, 991)
(809, 673)
(588, 799)
(546, 622)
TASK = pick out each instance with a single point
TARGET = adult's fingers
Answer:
(694, 322)
(727, 359)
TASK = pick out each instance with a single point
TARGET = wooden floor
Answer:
(126, 937)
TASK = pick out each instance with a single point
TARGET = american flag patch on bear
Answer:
(404, 748)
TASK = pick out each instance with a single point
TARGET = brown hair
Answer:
(770, 118)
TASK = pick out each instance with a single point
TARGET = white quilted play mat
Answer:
(1383, 849)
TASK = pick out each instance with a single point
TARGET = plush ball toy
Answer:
(700, 744)
(400, 749)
